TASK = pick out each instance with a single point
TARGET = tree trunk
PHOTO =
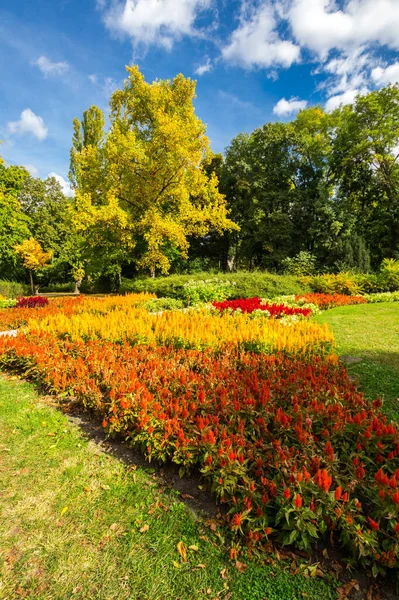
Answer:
(153, 272)
(32, 287)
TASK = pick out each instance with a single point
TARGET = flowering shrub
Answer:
(325, 301)
(249, 305)
(31, 302)
(206, 290)
(382, 297)
(288, 444)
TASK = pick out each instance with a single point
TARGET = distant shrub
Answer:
(12, 289)
(340, 283)
(247, 285)
(303, 263)
(206, 290)
(32, 302)
(161, 304)
(382, 297)
(389, 275)
(7, 303)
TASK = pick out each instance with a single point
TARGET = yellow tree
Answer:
(33, 256)
(149, 174)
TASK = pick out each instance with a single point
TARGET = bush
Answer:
(196, 291)
(10, 303)
(247, 285)
(303, 263)
(389, 275)
(32, 302)
(382, 297)
(12, 289)
(162, 304)
(341, 283)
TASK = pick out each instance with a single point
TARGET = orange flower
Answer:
(338, 493)
(298, 501)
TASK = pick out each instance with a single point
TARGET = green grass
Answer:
(73, 523)
(371, 333)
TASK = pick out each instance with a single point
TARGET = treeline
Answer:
(323, 188)
(318, 194)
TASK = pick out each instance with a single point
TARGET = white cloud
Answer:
(288, 107)
(384, 76)
(348, 72)
(29, 123)
(65, 185)
(152, 21)
(93, 78)
(49, 68)
(347, 97)
(34, 171)
(256, 43)
(205, 68)
(320, 26)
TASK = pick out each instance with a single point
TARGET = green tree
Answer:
(365, 165)
(144, 186)
(88, 132)
(14, 224)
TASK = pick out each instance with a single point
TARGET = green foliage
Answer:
(382, 297)
(162, 304)
(389, 274)
(304, 263)
(247, 285)
(12, 289)
(10, 303)
(206, 290)
(340, 283)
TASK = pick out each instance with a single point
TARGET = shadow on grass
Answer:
(377, 375)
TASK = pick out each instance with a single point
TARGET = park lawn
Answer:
(370, 332)
(75, 522)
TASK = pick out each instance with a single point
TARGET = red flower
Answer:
(395, 497)
(373, 524)
(338, 493)
(236, 520)
(396, 528)
(287, 493)
(298, 501)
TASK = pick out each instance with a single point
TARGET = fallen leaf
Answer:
(223, 573)
(193, 548)
(240, 566)
(104, 486)
(233, 553)
(176, 564)
(64, 510)
(182, 551)
(144, 528)
(113, 527)
(187, 497)
(201, 566)
(87, 489)
(51, 434)
(345, 589)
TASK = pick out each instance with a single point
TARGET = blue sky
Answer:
(254, 60)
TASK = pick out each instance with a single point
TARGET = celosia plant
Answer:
(249, 305)
(288, 444)
(325, 301)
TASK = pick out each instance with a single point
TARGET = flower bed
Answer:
(325, 301)
(249, 305)
(287, 442)
(31, 302)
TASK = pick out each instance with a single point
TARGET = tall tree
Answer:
(365, 164)
(14, 224)
(86, 133)
(147, 177)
